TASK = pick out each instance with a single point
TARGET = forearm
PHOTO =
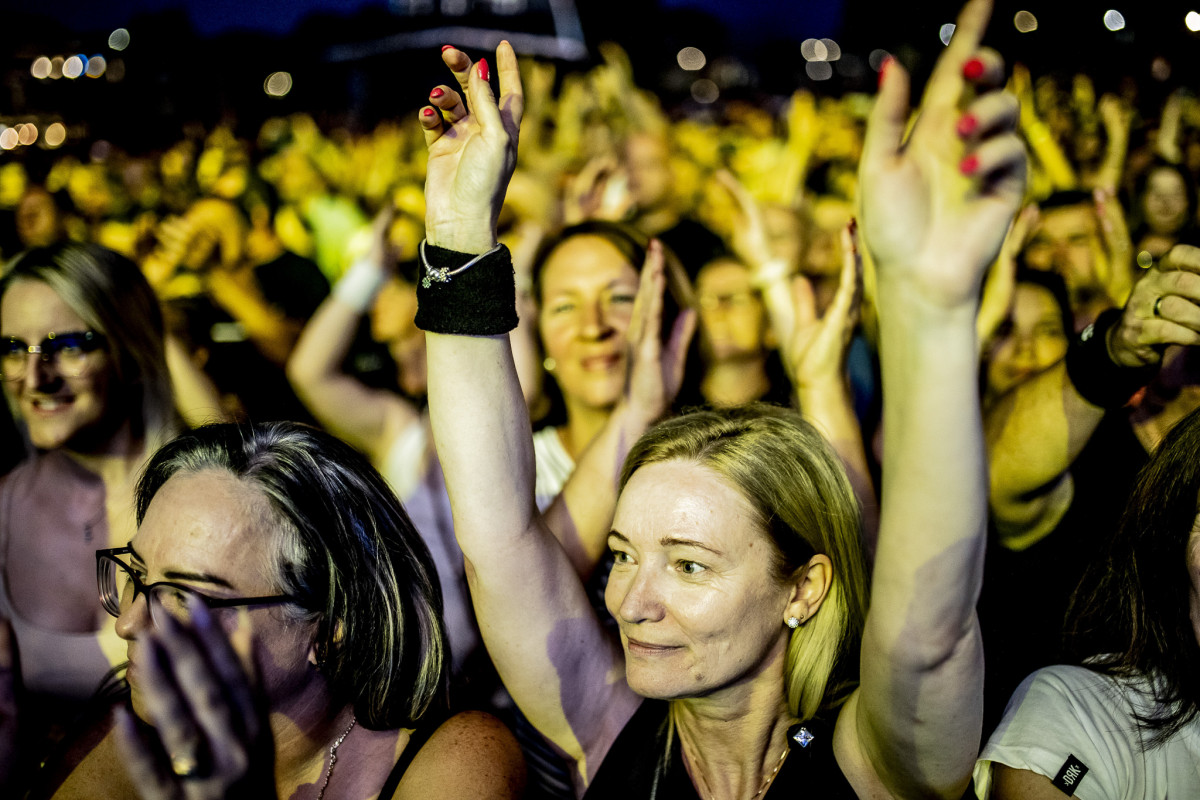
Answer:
(830, 409)
(272, 332)
(316, 361)
(196, 397)
(483, 437)
(581, 516)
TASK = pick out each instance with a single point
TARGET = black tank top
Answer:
(635, 767)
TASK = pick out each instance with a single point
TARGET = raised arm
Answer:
(547, 645)
(1035, 431)
(935, 208)
(369, 419)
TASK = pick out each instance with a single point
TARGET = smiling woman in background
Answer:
(83, 366)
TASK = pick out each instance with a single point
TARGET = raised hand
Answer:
(1163, 309)
(472, 142)
(655, 371)
(208, 737)
(935, 206)
(815, 352)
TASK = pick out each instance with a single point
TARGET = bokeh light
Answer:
(56, 134)
(1192, 20)
(96, 66)
(27, 133)
(1145, 260)
(813, 50)
(56, 68)
(118, 39)
(833, 50)
(705, 91)
(877, 57)
(73, 67)
(40, 68)
(1114, 20)
(691, 59)
(946, 33)
(8, 138)
(1025, 22)
(1160, 69)
(278, 84)
(819, 70)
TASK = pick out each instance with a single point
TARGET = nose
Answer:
(639, 596)
(595, 323)
(39, 371)
(134, 619)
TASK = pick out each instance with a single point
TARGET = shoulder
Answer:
(1065, 722)
(497, 768)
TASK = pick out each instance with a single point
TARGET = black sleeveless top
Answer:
(634, 768)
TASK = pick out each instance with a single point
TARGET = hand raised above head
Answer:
(472, 142)
(935, 206)
(1163, 309)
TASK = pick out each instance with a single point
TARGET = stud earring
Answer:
(793, 622)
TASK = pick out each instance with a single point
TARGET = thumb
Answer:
(889, 115)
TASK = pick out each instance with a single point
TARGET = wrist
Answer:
(461, 236)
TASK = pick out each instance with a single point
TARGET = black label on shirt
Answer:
(1070, 775)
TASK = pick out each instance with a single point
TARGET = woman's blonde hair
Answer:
(805, 504)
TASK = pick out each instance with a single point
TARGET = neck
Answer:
(734, 740)
(583, 424)
(303, 735)
(736, 382)
(118, 459)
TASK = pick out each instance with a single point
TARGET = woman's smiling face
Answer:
(587, 293)
(60, 411)
(694, 587)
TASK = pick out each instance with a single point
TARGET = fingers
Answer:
(164, 704)
(460, 64)
(449, 103)
(1181, 257)
(144, 769)
(991, 113)
(804, 301)
(996, 159)
(675, 357)
(512, 94)
(946, 83)
(843, 309)
(234, 673)
(647, 314)
(888, 119)
(431, 125)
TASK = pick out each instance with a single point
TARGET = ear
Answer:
(316, 652)
(809, 587)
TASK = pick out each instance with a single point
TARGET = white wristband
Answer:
(771, 272)
(358, 287)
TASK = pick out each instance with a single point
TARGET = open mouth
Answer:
(50, 405)
(600, 363)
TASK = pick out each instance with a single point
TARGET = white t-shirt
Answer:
(552, 465)
(1078, 728)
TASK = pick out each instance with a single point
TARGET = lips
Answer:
(600, 363)
(50, 405)
(635, 647)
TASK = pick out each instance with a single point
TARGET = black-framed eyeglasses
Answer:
(68, 351)
(120, 586)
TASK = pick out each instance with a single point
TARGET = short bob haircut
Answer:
(111, 295)
(806, 505)
(1129, 617)
(347, 552)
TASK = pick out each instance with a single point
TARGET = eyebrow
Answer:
(671, 541)
(183, 575)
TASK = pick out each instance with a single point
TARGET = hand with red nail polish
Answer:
(436, 93)
(973, 70)
(966, 125)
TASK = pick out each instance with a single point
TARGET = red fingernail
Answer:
(973, 69)
(483, 69)
(967, 124)
(883, 68)
(428, 112)
(436, 93)
(446, 47)
(968, 165)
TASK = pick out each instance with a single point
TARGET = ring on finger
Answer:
(185, 766)
(1158, 305)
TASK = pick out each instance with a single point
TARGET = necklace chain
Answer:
(338, 743)
(766, 784)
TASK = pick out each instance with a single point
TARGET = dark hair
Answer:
(1132, 603)
(111, 295)
(347, 552)
(1065, 198)
(629, 242)
(1056, 286)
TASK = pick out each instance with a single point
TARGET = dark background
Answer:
(357, 61)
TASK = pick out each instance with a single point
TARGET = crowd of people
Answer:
(544, 442)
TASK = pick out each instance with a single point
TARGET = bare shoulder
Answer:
(471, 755)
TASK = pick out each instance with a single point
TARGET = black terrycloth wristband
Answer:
(1093, 373)
(479, 301)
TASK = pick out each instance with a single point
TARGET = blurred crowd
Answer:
(243, 242)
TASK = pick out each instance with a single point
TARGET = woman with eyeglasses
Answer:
(277, 552)
(83, 368)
